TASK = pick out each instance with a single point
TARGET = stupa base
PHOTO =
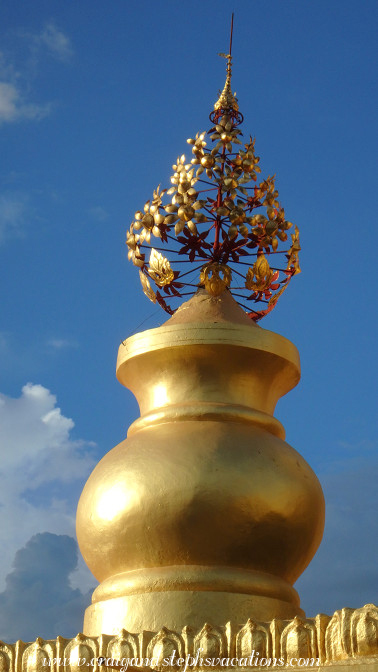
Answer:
(345, 641)
(177, 609)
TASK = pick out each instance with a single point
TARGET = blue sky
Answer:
(96, 102)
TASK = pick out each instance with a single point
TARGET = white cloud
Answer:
(61, 344)
(56, 42)
(15, 84)
(8, 101)
(42, 470)
(13, 211)
(13, 108)
(99, 213)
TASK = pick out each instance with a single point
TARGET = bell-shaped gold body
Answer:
(204, 513)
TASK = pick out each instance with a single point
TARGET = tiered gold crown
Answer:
(218, 217)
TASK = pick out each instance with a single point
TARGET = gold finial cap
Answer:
(227, 100)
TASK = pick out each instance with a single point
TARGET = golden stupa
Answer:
(199, 523)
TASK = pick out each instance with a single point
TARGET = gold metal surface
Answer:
(160, 269)
(347, 640)
(212, 279)
(203, 513)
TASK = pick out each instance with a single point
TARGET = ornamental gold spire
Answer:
(219, 216)
(227, 102)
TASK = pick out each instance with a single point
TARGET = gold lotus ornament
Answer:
(136, 256)
(214, 283)
(147, 289)
(160, 269)
(260, 276)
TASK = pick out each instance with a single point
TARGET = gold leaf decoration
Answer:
(294, 251)
(160, 269)
(147, 289)
(259, 277)
(214, 283)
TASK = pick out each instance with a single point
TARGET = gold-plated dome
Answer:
(204, 513)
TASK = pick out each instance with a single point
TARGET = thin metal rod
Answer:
(191, 271)
(232, 28)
